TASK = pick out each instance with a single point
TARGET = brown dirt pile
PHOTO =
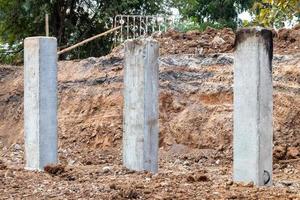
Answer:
(195, 127)
(196, 42)
(211, 40)
(195, 103)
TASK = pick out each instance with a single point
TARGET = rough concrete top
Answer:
(41, 38)
(141, 40)
(133, 43)
(266, 36)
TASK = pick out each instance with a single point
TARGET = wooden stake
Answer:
(47, 24)
(87, 40)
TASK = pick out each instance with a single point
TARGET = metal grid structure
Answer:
(135, 26)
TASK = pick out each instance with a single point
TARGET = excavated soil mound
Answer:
(196, 97)
(211, 40)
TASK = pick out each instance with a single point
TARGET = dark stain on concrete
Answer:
(265, 34)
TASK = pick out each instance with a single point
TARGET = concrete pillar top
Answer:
(41, 38)
(265, 36)
(132, 43)
(141, 40)
(253, 31)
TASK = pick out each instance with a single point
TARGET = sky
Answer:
(245, 16)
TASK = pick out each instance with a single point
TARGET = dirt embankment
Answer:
(196, 96)
(195, 102)
(286, 41)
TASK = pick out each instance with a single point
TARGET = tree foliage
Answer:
(223, 12)
(70, 21)
(273, 13)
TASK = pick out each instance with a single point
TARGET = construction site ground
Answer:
(196, 125)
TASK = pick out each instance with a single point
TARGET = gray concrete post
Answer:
(253, 106)
(140, 138)
(40, 102)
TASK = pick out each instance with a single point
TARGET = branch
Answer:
(88, 40)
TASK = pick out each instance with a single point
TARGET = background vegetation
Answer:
(218, 12)
(275, 13)
(70, 21)
(74, 20)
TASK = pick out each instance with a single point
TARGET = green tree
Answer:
(273, 13)
(222, 12)
(70, 21)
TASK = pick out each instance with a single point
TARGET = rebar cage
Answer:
(135, 26)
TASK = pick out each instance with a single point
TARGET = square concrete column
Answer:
(253, 106)
(140, 138)
(40, 102)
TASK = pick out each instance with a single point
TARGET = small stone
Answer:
(220, 148)
(250, 184)
(233, 196)
(190, 179)
(113, 186)
(148, 179)
(279, 152)
(293, 152)
(186, 163)
(2, 165)
(147, 191)
(287, 183)
(202, 178)
(54, 169)
(8, 174)
(217, 41)
(229, 183)
(71, 162)
(106, 169)
(140, 186)
(132, 194)
(17, 147)
(276, 166)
